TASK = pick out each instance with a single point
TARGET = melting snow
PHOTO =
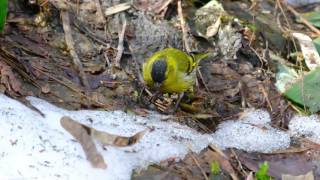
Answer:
(252, 133)
(306, 126)
(37, 147)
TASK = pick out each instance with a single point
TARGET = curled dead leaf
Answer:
(214, 28)
(111, 139)
(81, 134)
(84, 135)
(8, 78)
(309, 51)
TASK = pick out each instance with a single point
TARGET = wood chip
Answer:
(117, 8)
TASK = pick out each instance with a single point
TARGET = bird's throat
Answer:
(158, 71)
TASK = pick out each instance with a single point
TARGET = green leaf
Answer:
(306, 91)
(313, 17)
(261, 174)
(3, 13)
(215, 167)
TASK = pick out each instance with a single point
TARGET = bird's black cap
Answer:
(158, 71)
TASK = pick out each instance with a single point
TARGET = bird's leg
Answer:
(178, 103)
(155, 96)
(157, 93)
(143, 89)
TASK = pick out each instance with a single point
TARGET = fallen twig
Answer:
(183, 27)
(202, 79)
(242, 171)
(303, 20)
(265, 94)
(197, 163)
(287, 21)
(70, 43)
(121, 34)
(164, 6)
(99, 12)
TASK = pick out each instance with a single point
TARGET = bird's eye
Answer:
(158, 71)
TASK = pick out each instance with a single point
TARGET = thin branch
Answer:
(197, 163)
(70, 43)
(202, 79)
(121, 34)
(303, 20)
(183, 27)
(287, 21)
(164, 6)
(265, 94)
(99, 13)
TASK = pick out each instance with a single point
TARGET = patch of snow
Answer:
(306, 126)
(38, 147)
(251, 133)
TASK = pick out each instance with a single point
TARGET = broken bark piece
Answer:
(80, 133)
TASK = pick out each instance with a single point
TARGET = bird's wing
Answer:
(180, 59)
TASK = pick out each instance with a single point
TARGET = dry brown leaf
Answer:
(309, 51)
(84, 135)
(213, 29)
(308, 176)
(8, 79)
(81, 134)
(210, 156)
(279, 164)
(111, 139)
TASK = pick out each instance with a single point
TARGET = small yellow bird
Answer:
(171, 70)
